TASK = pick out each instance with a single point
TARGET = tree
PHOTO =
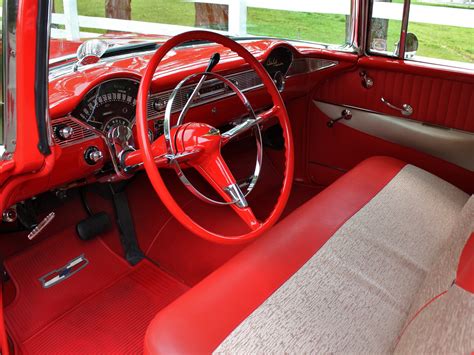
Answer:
(120, 9)
(212, 16)
(379, 32)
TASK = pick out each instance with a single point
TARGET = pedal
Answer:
(128, 237)
(93, 226)
(41, 225)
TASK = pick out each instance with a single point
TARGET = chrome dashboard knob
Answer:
(93, 155)
(159, 104)
(10, 215)
(64, 132)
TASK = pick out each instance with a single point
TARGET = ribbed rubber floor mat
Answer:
(105, 307)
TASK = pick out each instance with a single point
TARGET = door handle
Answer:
(406, 110)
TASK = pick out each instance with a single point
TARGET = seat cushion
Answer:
(346, 288)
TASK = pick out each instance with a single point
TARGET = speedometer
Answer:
(109, 104)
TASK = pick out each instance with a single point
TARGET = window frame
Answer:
(402, 35)
(8, 77)
(456, 65)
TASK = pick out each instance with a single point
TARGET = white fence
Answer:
(238, 16)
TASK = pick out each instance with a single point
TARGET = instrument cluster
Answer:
(109, 104)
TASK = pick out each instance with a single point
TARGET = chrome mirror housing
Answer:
(411, 45)
(90, 52)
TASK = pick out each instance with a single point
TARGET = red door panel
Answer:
(443, 102)
(438, 96)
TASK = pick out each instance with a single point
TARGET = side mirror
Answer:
(90, 52)
(411, 45)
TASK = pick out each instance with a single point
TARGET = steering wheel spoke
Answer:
(216, 171)
(248, 124)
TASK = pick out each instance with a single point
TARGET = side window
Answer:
(437, 31)
(385, 27)
(445, 31)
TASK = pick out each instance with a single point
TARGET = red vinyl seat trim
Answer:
(202, 318)
(465, 272)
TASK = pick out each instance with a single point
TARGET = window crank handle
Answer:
(345, 114)
(406, 110)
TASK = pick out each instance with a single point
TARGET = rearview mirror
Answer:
(90, 52)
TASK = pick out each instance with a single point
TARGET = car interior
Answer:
(204, 193)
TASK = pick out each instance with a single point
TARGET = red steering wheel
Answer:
(198, 145)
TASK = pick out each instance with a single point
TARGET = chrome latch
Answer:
(405, 110)
(367, 81)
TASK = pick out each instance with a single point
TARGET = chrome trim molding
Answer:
(245, 81)
(308, 65)
(49, 127)
(10, 12)
(452, 145)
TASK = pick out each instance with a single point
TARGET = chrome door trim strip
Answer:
(452, 145)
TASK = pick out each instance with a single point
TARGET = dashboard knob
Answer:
(159, 104)
(64, 132)
(10, 215)
(93, 155)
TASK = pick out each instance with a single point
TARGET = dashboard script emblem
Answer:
(56, 276)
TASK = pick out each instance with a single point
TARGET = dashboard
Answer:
(86, 106)
(112, 103)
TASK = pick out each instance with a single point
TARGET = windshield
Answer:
(119, 22)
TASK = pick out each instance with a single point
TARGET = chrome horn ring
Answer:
(172, 155)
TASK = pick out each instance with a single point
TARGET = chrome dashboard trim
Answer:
(82, 132)
(236, 78)
(449, 144)
(301, 66)
(246, 80)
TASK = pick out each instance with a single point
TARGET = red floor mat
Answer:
(105, 307)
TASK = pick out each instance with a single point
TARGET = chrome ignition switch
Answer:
(93, 155)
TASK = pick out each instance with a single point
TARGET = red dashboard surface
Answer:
(66, 91)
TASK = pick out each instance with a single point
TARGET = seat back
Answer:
(442, 315)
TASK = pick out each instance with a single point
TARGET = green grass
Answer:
(444, 42)
(436, 41)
